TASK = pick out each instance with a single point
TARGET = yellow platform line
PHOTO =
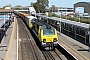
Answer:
(8, 54)
(74, 49)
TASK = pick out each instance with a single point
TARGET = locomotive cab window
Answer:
(48, 32)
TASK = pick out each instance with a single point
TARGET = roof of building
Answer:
(6, 10)
(83, 2)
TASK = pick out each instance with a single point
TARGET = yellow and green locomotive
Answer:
(46, 34)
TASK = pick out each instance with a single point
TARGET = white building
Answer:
(65, 11)
(7, 7)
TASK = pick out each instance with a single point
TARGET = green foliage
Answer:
(53, 9)
(40, 5)
(53, 15)
(8, 5)
(18, 7)
(83, 20)
(4, 7)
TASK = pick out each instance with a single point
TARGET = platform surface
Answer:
(76, 46)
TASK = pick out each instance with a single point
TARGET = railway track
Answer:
(53, 55)
(27, 47)
(58, 54)
(29, 51)
(48, 55)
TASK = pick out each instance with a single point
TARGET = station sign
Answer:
(79, 10)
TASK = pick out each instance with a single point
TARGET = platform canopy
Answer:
(6, 10)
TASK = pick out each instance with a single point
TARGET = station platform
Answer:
(77, 48)
(8, 44)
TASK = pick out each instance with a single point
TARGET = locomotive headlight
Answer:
(44, 40)
(55, 39)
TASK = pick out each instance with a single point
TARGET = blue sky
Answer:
(60, 3)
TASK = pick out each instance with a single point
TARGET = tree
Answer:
(18, 7)
(8, 5)
(31, 3)
(41, 5)
(4, 7)
(53, 9)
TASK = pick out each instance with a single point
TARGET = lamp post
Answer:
(66, 12)
(60, 17)
(4, 21)
(52, 6)
(79, 17)
(60, 23)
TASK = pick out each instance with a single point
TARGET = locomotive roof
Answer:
(40, 22)
(47, 27)
(43, 24)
